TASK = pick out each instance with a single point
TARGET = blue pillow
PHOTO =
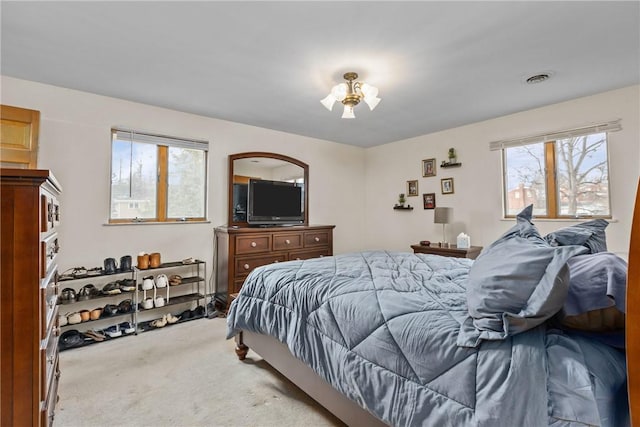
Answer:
(590, 234)
(516, 283)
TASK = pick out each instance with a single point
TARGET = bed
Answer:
(391, 338)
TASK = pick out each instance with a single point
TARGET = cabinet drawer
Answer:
(317, 253)
(237, 285)
(50, 211)
(287, 241)
(47, 414)
(48, 252)
(48, 362)
(316, 238)
(244, 266)
(253, 244)
(48, 308)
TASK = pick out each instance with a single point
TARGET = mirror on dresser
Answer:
(266, 166)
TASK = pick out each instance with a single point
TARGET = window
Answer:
(157, 178)
(564, 175)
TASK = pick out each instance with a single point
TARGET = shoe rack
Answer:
(85, 319)
(177, 295)
(100, 303)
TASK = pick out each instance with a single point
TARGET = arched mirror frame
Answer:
(276, 156)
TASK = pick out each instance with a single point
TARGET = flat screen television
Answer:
(274, 203)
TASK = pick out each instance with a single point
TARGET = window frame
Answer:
(551, 183)
(162, 143)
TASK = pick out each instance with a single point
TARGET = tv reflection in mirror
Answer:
(274, 203)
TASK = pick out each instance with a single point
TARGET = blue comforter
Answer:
(381, 327)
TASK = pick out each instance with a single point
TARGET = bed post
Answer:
(241, 348)
(633, 316)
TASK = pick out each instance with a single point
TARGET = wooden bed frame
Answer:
(277, 354)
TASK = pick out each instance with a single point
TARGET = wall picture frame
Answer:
(412, 188)
(429, 200)
(446, 185)
(429, 167)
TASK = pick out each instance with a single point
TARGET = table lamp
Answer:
(442, 216)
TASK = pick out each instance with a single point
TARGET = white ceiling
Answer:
(437, 64)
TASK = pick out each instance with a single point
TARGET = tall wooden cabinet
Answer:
(241, 249)
(30, 214)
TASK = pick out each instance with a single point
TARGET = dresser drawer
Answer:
(48, 308)
(244, 266)
(49, 362)
(316, 238)
(287, 241)
(253, 244)
(316, 253)
(48, 252)
(47, 414)
(50, 210)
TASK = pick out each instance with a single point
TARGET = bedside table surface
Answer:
(452, 251)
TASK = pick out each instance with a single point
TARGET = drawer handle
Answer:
(298, 259)
(288, 242)
(317, 239)
(254, 244)
(277, 260)
(246, 266)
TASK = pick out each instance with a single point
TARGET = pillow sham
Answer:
(590, 234)
(516, 283)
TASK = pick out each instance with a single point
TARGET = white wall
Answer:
(75, 144)
(351, 187)
(477, 202)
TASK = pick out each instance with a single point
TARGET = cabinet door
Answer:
(19, 137)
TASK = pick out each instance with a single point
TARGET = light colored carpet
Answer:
(182, 375)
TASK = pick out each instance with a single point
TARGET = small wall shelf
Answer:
(403, 208)
(450, 165)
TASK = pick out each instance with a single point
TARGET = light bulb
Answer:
(328, 102)
(372, 102)
(348, 112)
(369, 91)
(339, 91)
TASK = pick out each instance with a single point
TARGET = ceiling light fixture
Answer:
(350, 94)
(538, 78)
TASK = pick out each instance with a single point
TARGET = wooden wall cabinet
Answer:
(19, 137)
(30, 215)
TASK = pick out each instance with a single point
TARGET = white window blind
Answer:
(611, 126)
(135, 136)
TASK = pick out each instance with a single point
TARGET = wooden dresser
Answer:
(30, 214)
(241, 249)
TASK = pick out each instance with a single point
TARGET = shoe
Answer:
(96, 313)
(199, 311)
(125, 263)
(127, 285)
(175, 280)
(70, 339)
(113, 331)
(74, 318)
(125, 306)
(110, 310)
(85, 315)
(189, 260)
(68, 295)
(186, 315)
(87, 291)
(161, 281)
(127, 327)
(110, 266)
(111, 288)
(94, 335)
(147, 283)
(159, 323)
(171, 319)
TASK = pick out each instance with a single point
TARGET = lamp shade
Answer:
(442, 215)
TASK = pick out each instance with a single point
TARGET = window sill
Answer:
(117, 224)
(576, 220)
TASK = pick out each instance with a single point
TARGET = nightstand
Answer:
(451, 251)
